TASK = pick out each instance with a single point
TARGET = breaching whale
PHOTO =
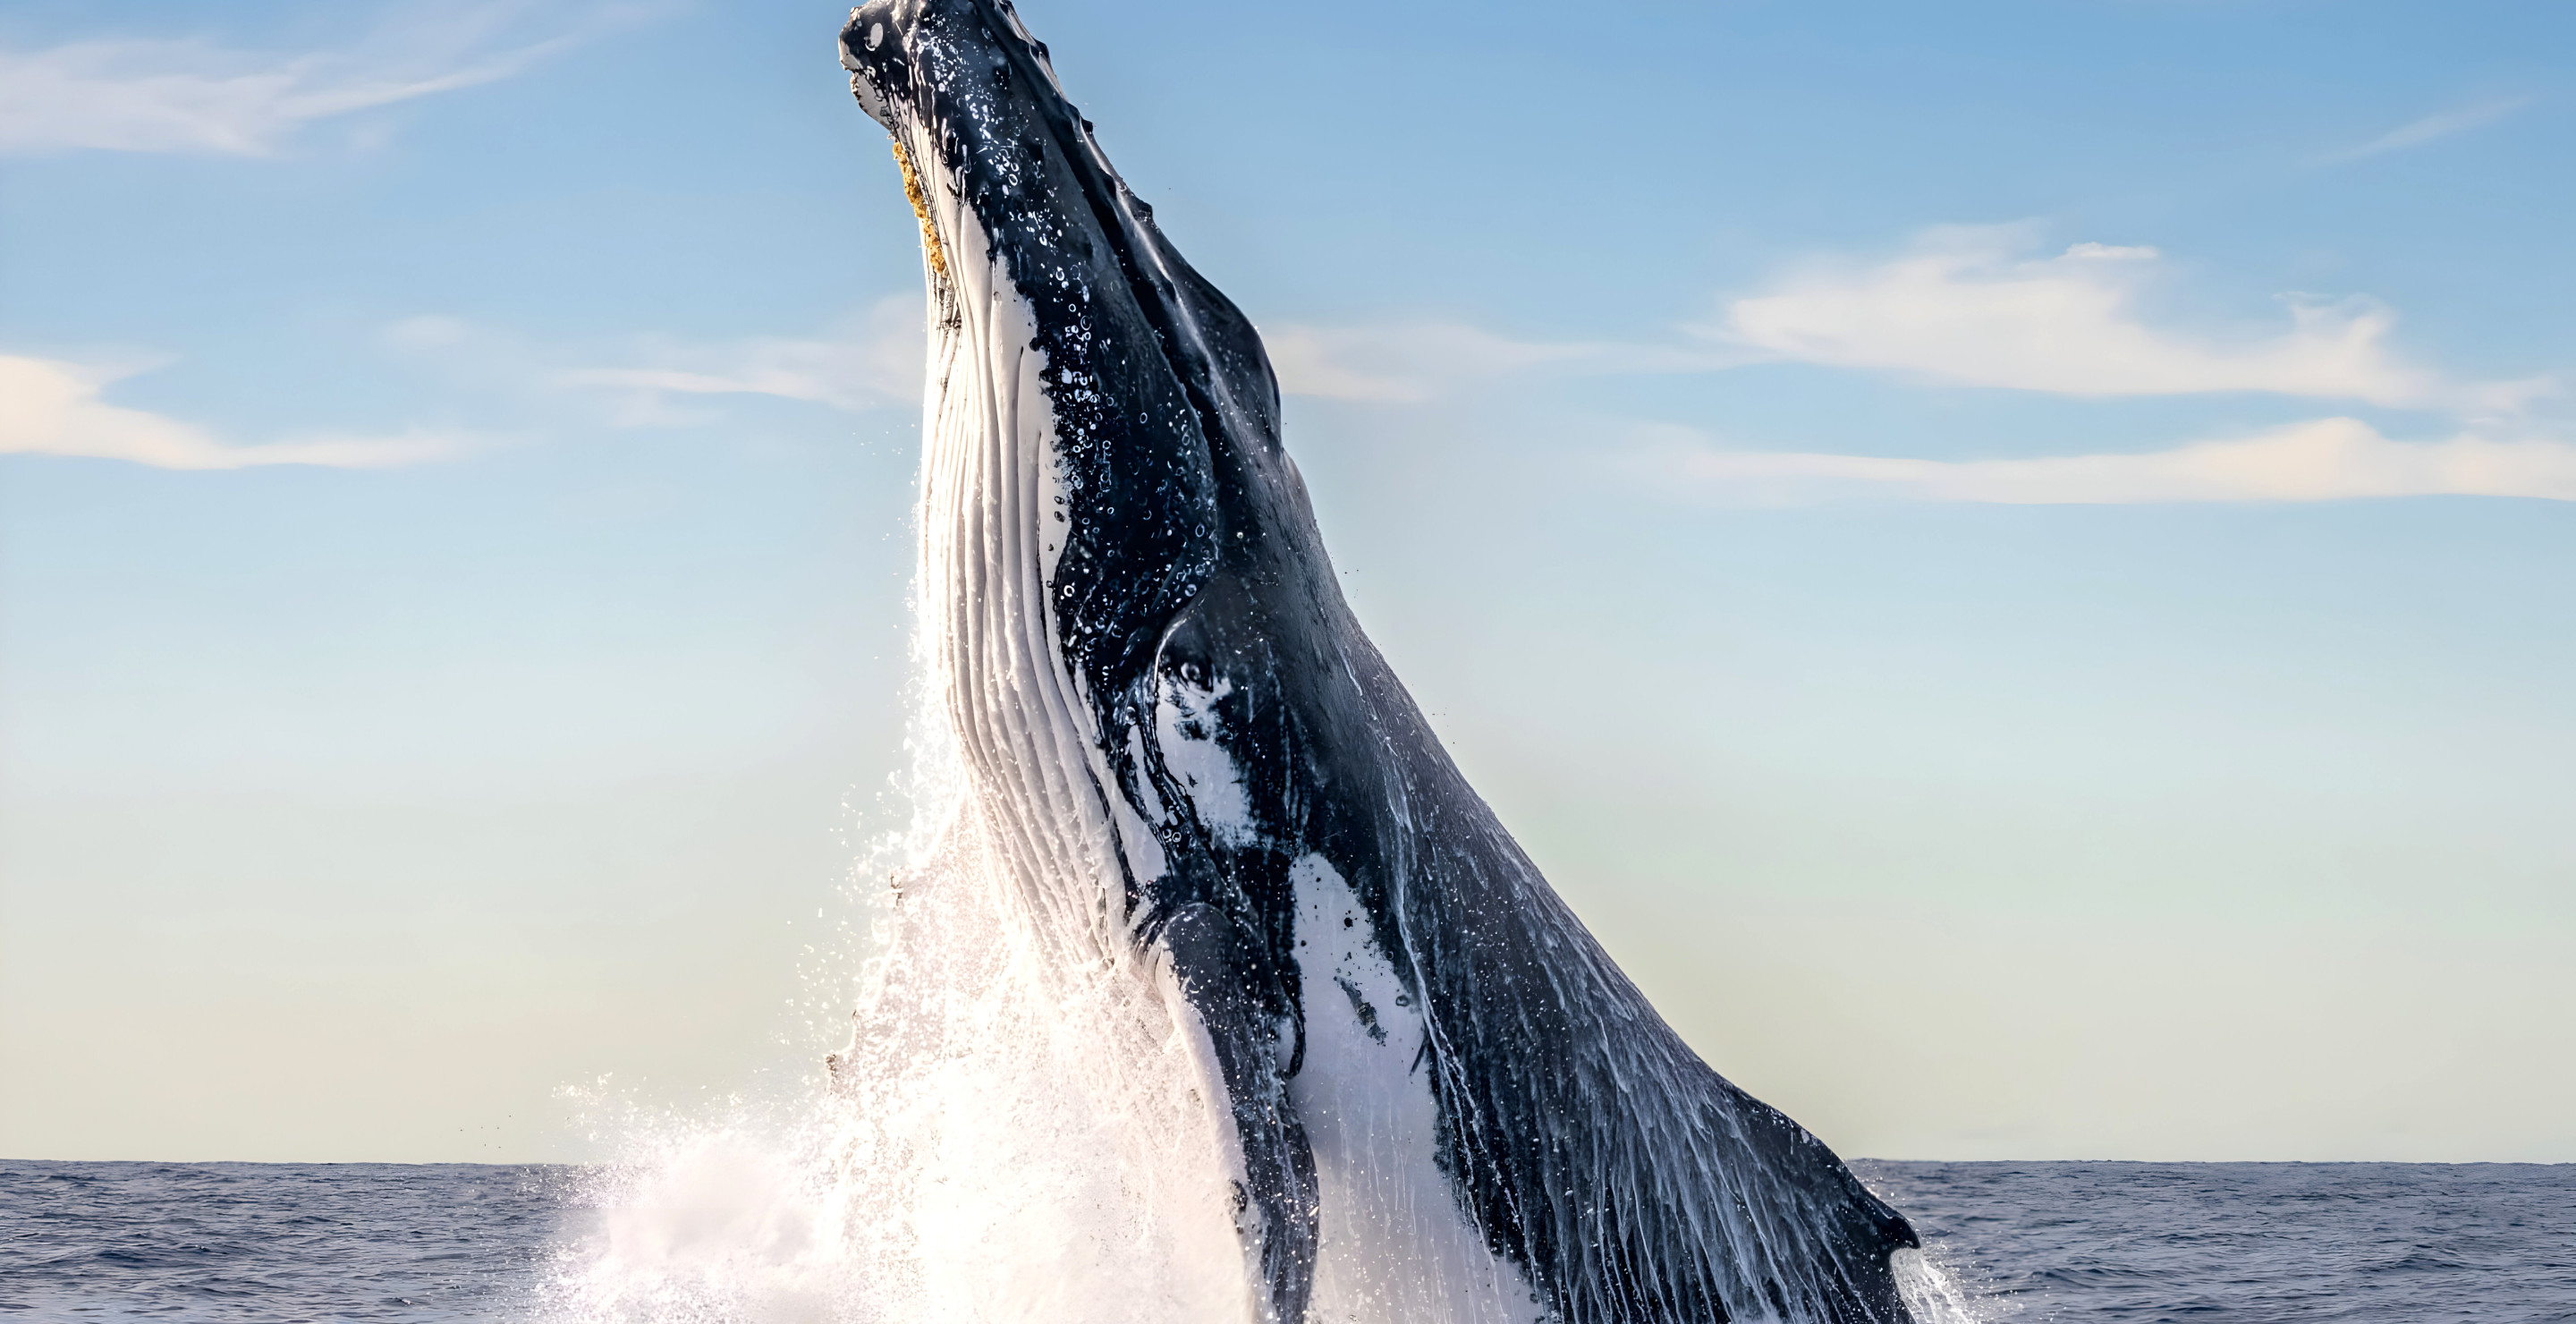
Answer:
(1434, 1085)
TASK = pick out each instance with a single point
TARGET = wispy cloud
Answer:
(2331, 459)
(57, 407)
(1970, 305)
(2419, 132)
(50, 407)
(1966, 305)
(1979, 306)
(866, 363)
(194, 96)
(1411, 362)
(1402, 363)
(869, 360)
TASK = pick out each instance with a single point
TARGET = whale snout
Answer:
(868, 52)
(949, 64)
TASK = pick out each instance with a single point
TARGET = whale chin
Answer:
(1433, 1096)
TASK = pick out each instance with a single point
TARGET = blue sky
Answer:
(2011, 559)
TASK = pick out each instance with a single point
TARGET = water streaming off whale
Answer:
(1208, 988)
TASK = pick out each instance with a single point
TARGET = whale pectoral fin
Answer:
(1275, 1198)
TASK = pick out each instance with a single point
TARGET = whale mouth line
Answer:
(931, 248)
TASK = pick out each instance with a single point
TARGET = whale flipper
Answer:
(1274, 1185)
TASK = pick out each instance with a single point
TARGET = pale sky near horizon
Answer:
(2012, 560)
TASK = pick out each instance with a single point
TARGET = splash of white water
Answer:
(1932, 1293)
(1010, 1136)
(1004, 1139)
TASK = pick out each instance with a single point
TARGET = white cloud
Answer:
(867, 363)
(2420, 132)
(1969, 306)
(54, 407)
(2331, 459)
(1405, 363)
(1408, 363)
(49, 407)
(192, 96)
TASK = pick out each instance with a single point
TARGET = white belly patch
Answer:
(1395, 1245)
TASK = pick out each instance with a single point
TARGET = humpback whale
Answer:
(1431, 1084)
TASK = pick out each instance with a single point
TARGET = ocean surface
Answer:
(2494, 1243)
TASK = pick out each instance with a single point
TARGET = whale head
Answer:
(1143, 404)
(964, 89)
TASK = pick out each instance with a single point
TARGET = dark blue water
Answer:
(2128, 1242)
(2305, 1242)
(273, 1241)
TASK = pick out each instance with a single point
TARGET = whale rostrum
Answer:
(1429, 1077)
